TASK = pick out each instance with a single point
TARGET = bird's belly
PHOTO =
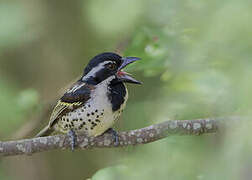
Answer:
(89, 120)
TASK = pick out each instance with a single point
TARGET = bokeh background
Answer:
(196, 62)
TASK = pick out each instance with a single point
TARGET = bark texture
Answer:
(133, 137)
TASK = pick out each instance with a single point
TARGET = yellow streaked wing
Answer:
(60, 109)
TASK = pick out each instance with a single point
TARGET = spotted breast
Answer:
(98, 113)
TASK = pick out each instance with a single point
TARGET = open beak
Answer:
(124, 76)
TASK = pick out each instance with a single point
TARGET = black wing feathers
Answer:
(80, 95)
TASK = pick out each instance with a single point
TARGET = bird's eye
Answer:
(111, 66)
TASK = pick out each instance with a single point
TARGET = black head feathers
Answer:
(101, 58)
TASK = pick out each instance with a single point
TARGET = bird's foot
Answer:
(72, 137)
(115, 136)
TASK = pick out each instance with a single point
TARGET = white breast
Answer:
(99, 100)
(96, 116)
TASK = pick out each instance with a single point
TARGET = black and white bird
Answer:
(94, 103)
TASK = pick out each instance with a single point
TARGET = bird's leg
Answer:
(72, 136)
(114, 134)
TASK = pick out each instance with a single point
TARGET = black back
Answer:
(80, 95)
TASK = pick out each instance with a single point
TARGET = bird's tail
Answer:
(45, 132)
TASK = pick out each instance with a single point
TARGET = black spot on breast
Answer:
(89, 120)
(81, 119)
(117, 94)
(96, 110)
(82, 110)
(81, 126)
(88, 114)
(92, 113)
(97, 116)
(89, 105)
(67, 120)
(97, 120)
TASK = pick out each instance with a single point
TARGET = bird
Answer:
(95, 102)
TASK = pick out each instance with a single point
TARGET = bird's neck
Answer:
(117, 94)
(113, 88)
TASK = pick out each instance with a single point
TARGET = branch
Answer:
(133, 137)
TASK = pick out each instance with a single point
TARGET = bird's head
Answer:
(107, 65)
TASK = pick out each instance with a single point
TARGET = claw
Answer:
(72, 136)
(115, 135)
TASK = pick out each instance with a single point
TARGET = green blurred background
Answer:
(196, 62)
